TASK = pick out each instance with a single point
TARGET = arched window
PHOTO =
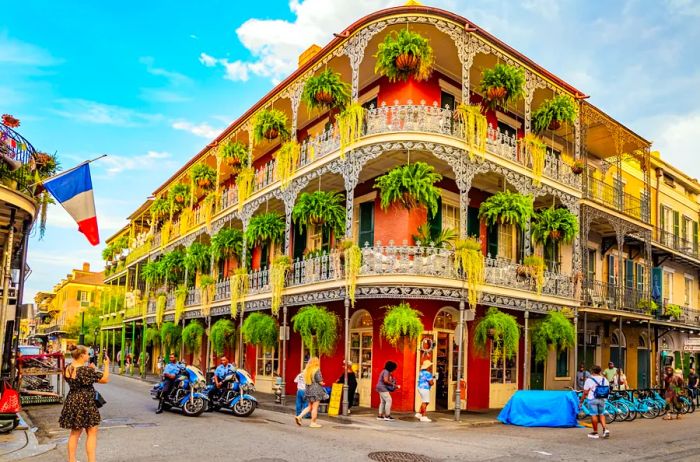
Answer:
(361, 320)
(447, 318)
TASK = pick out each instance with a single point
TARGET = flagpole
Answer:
(69, 170)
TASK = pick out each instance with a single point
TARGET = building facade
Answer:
(594, 167)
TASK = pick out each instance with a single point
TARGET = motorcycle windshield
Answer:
(244, 376)
(195, 374)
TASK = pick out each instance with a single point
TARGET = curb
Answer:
(32, 448)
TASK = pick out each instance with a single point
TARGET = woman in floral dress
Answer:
(314, 393)
(79, 409)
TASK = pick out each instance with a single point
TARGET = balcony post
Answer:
(460, 375)
(577, 134)
(346, 341)
(620, 237)
(526, 355)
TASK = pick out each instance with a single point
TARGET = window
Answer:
(688, 291)
(666, 224)
(82, 296)
(563, 363)
(366, 224)
(315, 239)
(668, 286)
(686, 229)
(267, 361)
(450, 216)
(503, 370)
(505, 241)
(591, 264)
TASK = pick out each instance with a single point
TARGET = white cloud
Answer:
(675, 137)
(175, 78)
(93, 112)
(236, 70)
(207, 60)
(194, 37)
(16, 52)
(204, 129)
(113, 164)
(162, 95)
(684, 7)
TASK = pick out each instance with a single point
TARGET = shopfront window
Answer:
(503, 369)
(267, 361)
(563, 363)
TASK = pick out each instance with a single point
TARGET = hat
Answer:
(426, 364)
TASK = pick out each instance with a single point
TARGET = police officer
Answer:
(222, 370)
(169, 376)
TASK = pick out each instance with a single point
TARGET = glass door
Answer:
(361, 356)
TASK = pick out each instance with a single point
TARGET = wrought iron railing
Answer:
(614, 197)
(611, 296)
(675, 242)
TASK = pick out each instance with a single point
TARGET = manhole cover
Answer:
(143, 425)
(398, 456)
(116, 421)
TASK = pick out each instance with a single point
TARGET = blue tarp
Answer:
(536, 408)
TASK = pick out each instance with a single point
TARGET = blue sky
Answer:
(150, 83)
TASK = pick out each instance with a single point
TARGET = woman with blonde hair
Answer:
(80, 408)
(315, 393)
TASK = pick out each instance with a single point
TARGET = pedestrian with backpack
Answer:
(596, 390)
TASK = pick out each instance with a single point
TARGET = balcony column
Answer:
(577, 135)
(294, 94)
(620, 232)
(355, 51)
(532, 83)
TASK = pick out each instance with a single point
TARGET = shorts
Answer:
(424, 395)
(596, 406)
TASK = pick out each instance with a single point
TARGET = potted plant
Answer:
(411, 185)
(318, 329)
(672, 310)
(260, 329)
(197, 258)
(266, 227)
(204, 176)
(159, 209)
(502, 84)
(404, 54)
(234, 153)
(192, 336)
(469, 260)
(269, 124)
(324, 208)
(222, 334)
(555, 331)
(326, 90)
(179, 195)
(10, 121)
(227, 243)
(578, 166)
(553, 113)
(555, 224)
(430, 237)
(648, 306)
(170, 337)
(533, 267)
(506, 207)
(501, 329)
(401, 322)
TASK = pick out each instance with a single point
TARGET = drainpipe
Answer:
(460, 375)
(285, 338)
(346, 406)
(526, 356)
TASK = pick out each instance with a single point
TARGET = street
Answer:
(131, 431)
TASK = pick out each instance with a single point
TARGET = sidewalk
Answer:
(22, 442)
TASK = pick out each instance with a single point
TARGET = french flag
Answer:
(73, 190)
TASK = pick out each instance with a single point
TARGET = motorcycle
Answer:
(187, 393)
(234, 394)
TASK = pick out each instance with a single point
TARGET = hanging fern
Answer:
(326, 90)
(108, 252)
(553, 112)
(350, 126)
(227, 243)
(170, 337)
(469, 260)
(502, 84)
(410, 185)
(171, 266)
(278, 275)
(244, 183)
(180, 298)
(502, 327)
(192, 336)
(234, 153)
(506, 207)
(204, 176)
(554, 225)
(152, 336)
(475, 128)
(197, 258)
(404, 54)
(179, 196)
(260, 329)
(266, 227)
(325, 208)
(160, 208)
(402, 322)
(222, 334)
(269, 124)
(537, 150)
(286, 162)
(160, 308)
(318, 329)
(555, 331)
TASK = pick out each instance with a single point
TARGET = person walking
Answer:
(301, 392)
(80, 412)
(385, 385)
(673, 383)
(619, 382)
(581, 376)
(425, 381)
(315, 393)
(693, 384)
(352, 383)
(596, 390)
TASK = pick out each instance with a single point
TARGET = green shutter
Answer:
(695, 237)
(492, 240)
(473, 224)
(611, 269)
(657, 281)
(299, 242)
(436, 221)
(629, 274)
(676, 226)
(326, 239)
(77, 297)
(366, 225)
(662, 219)
(264, 256)
(640, 277)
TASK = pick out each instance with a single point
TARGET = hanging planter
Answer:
(204, 176)
(555, 225)
(197, 258)
(278, 275)
(269, 124)
(234, 153)
(501, 329)
(502, 84)
(318, 329)
(222, 334)
(404, 54)
(533, 267)
(152, 336)
(469, 261)
(178, 196)
(553, 113)
(475, 128)
(286, 162)
(227, 243)
(537, 149)
(411, 185)
(506, 207)
(350, 126)
(260, 329)
(326, 90)
(555, 332)
(192, 336)
(577, 167)
(325, 208)
(239, 289)
(159, 209)
(401, 322)
(170, 337)
(266, 227)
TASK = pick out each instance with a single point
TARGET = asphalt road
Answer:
(132, 432)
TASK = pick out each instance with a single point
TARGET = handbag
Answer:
(99, 400)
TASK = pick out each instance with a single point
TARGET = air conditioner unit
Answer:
(594, 340)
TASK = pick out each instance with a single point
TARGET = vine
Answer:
(180, 298)
(239, 290)
(350, 123)
(469, 259)
(475, 128)
(278, 274)
(286, 162)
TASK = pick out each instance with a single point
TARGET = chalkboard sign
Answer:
(336, 399)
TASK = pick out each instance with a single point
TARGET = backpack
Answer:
(601, 391)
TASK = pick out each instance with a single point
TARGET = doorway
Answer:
(536, 372)
(642, 363)
(618, 349)
(361, 354)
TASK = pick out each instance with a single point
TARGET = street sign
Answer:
(692, 345)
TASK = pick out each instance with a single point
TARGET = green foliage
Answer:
(406, 46)
(108, 252)
(402, 321)
(227, 243)
(326, 208)
(326, 90)
(561, 108)
(318, 329)
(505, 76)
(197, 257)
(555, 224)
(260, 329)
(152, 336)
(179, 196)
(554, 331)
(649, 306)
(223, 334)
(206, 281)
(410, 185)
(673, 310)
(429, 237)
(508, 208)
(170, 337)
(150, 272)
(170, 266)
(192, 335)
(268, 121)
(502, 327)
(204, 176)
(160, 208)
(266, 227)
(234, 152)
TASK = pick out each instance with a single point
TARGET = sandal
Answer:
(297, 419)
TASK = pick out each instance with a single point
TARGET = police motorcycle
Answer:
(186, 393)
(234, 393)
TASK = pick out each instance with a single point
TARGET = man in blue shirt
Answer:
(169, 376)
(222, 370)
